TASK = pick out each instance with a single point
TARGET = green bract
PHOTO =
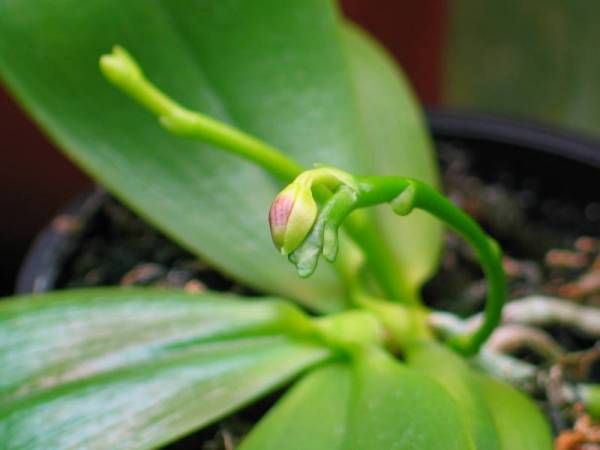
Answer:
(227, 84)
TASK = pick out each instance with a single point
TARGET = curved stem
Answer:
(123, 71)
(405, 194)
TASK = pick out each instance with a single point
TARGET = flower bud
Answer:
(291, 217)
(120, 67)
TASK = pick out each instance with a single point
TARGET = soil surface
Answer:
(551, 247)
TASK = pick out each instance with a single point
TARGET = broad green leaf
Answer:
(311, 416)
(520, 423)
(372, 403)
(278, 70)
(534, 59)
(106, 368)
(453, 373)
(398, 144)
(396, 408)
(271, 68)
(107, 328)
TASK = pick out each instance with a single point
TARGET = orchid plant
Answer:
(352, 341)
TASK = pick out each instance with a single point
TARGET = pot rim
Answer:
(555, 140)
(56, 242)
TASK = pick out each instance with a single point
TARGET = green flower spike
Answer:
(121, 69)
(404, 195)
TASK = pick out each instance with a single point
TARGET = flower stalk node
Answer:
(404, 203)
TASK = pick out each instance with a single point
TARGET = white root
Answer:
(544, 311)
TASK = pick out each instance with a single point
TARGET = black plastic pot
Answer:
(567, 163)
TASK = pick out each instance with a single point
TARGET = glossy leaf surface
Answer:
(396, 408)
(452, 372)
(226, 59)
(136, 368)
(275, 69)
(311, 416)
(520, 423)
(374, 404)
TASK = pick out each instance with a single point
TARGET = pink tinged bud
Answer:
(291, 217)
(278, 218)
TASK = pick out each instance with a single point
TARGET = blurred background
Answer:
(532, 59)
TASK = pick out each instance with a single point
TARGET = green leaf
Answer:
(312, 415)
(109, 368)
(275, 69)
(396, 408)
(372, 403)
(520, 423)
(453, 373)
(113, 327)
